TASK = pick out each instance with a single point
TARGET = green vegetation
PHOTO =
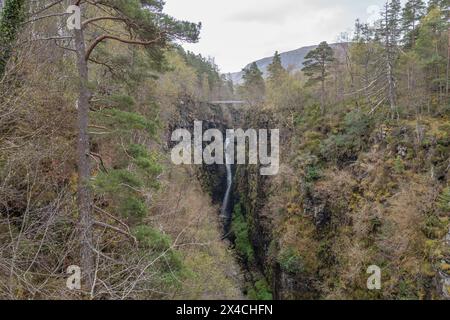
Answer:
(254, 87)
(290, 261)
(87, 178)
(365, 173)
(444, 199)
(11, 19)
(240, 230)
(124, 209)
(260, 291)
(317, 63)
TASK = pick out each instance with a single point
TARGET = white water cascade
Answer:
(226, 213)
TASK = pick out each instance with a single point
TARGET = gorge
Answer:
(351, 172)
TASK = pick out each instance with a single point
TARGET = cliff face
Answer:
(212, 116)
(312, 231)
(316, 227)
(256, 197)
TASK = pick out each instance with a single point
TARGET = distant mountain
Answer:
(292, 60)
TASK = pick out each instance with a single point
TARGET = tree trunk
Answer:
(391, 93)
(448, 64)
(366, 80)
(390, 75)
(413, 42)
(322, 98)
(84, 171)
(322, 94)
(390, 56)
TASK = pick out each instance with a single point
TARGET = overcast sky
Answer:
(236, 32)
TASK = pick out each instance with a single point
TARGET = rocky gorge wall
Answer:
(311, 231)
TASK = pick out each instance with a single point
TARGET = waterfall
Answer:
(226, 212)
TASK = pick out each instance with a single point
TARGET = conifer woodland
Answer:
(86, 177)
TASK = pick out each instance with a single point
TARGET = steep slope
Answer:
(364, 192)
(157, 232)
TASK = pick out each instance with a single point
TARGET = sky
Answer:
(237, 32)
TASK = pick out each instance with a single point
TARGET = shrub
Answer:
(357, 124)
(407, 290)
(150, 166)
(115, 179)
(152, 238)
(353, 139)
(122, 102)
(434, 228)
(444, 199)
(260, 291)
(242, 240)
(399, 166)
(290, 260)
(133, 207)
(340, 147)
(138, 151)
(312, 173)
(10, 23)
(127, 121)
(145, 160)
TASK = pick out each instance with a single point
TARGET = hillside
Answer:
(292, 60)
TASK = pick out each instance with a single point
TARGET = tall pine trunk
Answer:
(322, 98)
(389, 65)
(322, 93)
(391, 85)
(84, 171)
(448, 64)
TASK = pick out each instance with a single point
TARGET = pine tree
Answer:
(444, 7)
(252, 75)
(146, 26)
(316, 67)
(413, 12)
(432, 48)
(366, 58)
(253, 88)
(438, 4)
(10, 20)
(275, 69)
(363, 32)
(357, 35)
(390, 31)
(367, 33)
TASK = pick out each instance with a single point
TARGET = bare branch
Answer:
(111, 69)
(45, 17)
(100, 210)
(85, 23)
(47, 7)
(108, 226)
(99, 39)
(53, 38)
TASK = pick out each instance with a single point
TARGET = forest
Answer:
(93, 208)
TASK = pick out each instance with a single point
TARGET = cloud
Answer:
(275, 13)
(237, 32)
